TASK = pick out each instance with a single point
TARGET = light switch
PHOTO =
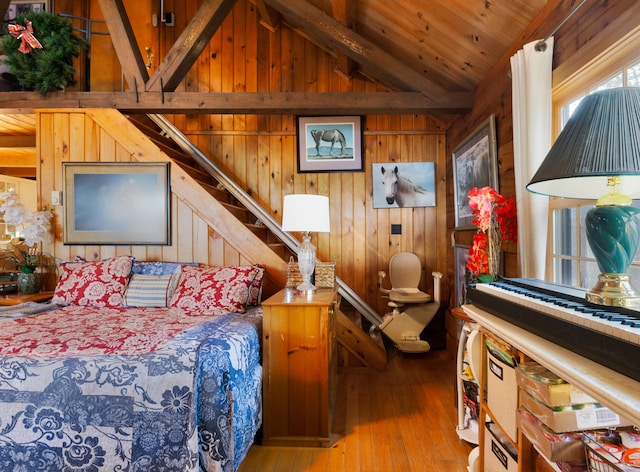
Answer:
(56, 197)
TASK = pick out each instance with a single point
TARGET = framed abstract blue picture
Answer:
(116, 203)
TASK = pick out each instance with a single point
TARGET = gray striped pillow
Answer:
(150, 290)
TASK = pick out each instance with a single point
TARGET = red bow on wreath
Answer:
(29, 41)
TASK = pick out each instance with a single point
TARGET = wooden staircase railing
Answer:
(357, 348)
(266, 221)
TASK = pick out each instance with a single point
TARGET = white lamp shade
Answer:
(303, 212)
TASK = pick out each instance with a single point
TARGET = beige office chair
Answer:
(412, 309)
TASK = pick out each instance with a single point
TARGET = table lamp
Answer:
(597, 156)
(307, 214)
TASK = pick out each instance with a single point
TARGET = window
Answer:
(570, 260)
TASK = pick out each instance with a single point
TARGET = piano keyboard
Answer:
(607, 335)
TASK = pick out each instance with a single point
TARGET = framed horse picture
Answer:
(404, 185)
(475, 164)
(330, 144)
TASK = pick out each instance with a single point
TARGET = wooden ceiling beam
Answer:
(22, 172)
(18, 158)
(327, 103)
(374, 62)
(125, 44)
(187, 48)
(344, 11)
(17, 141)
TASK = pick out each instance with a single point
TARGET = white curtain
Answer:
(531, 88)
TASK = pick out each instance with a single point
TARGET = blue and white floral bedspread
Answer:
(193, 403)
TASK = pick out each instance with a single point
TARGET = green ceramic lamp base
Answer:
(613, 232)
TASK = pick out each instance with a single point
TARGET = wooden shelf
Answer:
(17, 298)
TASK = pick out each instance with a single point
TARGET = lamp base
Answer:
(306, 287)
(614, 290)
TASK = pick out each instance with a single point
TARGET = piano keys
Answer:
(561, 314)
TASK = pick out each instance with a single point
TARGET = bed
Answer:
(133, 367)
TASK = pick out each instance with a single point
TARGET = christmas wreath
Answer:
(39, 51)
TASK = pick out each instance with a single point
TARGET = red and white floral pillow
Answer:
(97, 284)
(215, 290)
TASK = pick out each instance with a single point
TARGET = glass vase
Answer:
(494, 249)
(29, 283)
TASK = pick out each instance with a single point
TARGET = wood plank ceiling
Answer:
(430, 56)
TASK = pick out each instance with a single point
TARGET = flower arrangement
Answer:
(24, 255)
(495, 217)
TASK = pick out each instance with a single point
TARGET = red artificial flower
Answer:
(490, 210)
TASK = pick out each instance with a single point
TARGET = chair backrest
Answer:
(405, 271)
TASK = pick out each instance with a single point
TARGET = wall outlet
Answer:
(396, 229)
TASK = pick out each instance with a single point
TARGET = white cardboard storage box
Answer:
(502, 391)
(547, 387)
(499, 453)
(573, 418)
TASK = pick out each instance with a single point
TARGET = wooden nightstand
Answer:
(299, 368)
(17, 298)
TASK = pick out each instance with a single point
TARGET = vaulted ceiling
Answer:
(430, 55)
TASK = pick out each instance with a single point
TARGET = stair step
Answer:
(197, 174)
(359, 349)
(240, 212)
(259, 230)
(218, 193)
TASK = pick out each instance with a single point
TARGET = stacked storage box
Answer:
(499, 453)
(502, 389)
(553, 413)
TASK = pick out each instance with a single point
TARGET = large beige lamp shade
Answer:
(306, 213)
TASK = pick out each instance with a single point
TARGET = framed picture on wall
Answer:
(116, 203)
(404, 185)
(22, 7)
(474, 165)
(330, 144)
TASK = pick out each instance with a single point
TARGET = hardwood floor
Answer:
(400, 420)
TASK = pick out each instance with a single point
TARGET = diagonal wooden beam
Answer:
(269, 18)
(189, 45)
(374, 62)
(344, 11)
(124, 42)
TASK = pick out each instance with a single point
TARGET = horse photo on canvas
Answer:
(402, 191)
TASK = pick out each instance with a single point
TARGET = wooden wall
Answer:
(589, 32)
(259, 151)
(201, 229)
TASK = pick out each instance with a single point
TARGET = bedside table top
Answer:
(17, 298)
(292, 296)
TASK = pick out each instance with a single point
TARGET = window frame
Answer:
(617, 58)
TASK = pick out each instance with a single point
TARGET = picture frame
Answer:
(460, 255)
(330, 144)
(116, 203)
(404, 185)
(474, 165)
(22, 7)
